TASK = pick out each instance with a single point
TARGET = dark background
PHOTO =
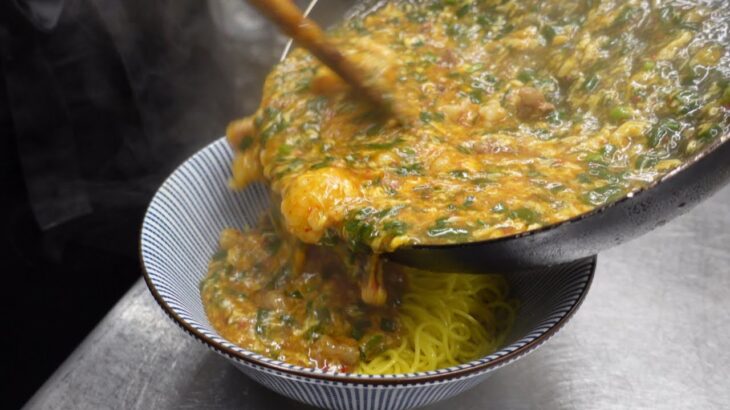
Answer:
(99, 101)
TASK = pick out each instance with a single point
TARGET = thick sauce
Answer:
(309, 315)
(304, 307)
(524, 114)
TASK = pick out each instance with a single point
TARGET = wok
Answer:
(585, 235)
(589, 233)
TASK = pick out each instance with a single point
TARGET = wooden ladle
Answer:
(307, 34)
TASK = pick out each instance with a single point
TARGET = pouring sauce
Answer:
(528, 113)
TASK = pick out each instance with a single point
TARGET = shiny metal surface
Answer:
(652, 334)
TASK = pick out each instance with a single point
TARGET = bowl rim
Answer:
(396, 379)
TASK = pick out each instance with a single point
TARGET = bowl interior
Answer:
(180, 233)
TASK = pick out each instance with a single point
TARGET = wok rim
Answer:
(493, 241)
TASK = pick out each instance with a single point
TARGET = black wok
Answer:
(585, 235)
(589, 233)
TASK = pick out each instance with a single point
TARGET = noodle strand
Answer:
(449, 319)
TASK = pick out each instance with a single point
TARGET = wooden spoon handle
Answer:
(309, 35)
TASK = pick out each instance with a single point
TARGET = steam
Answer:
(194, 66)
(191, 65)
(191, 71)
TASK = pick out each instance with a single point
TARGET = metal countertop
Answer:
(652, 334)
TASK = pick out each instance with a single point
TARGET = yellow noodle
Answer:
(449, 319)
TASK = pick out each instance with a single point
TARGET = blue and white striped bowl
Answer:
(180, 233)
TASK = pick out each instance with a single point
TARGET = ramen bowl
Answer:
(180, 233)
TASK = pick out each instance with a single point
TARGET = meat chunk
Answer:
(332, 351)
(326, 82)
(531, 103)
(317, 200)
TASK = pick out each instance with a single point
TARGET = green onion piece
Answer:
(526, 75)
(725, 99)
(220, 255)
(592, 83)
(549, 33)
(388, 325)
(525, 214)
(710, 133)
(372, 347)
(620, 113)
(246, 143)
(463, 10)
(261, 317)
(359, 328)
(395, 228)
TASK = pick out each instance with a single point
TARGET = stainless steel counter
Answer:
(652, 334)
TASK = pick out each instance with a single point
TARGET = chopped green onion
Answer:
(620, 113)
(261, 318)
(388, 325)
